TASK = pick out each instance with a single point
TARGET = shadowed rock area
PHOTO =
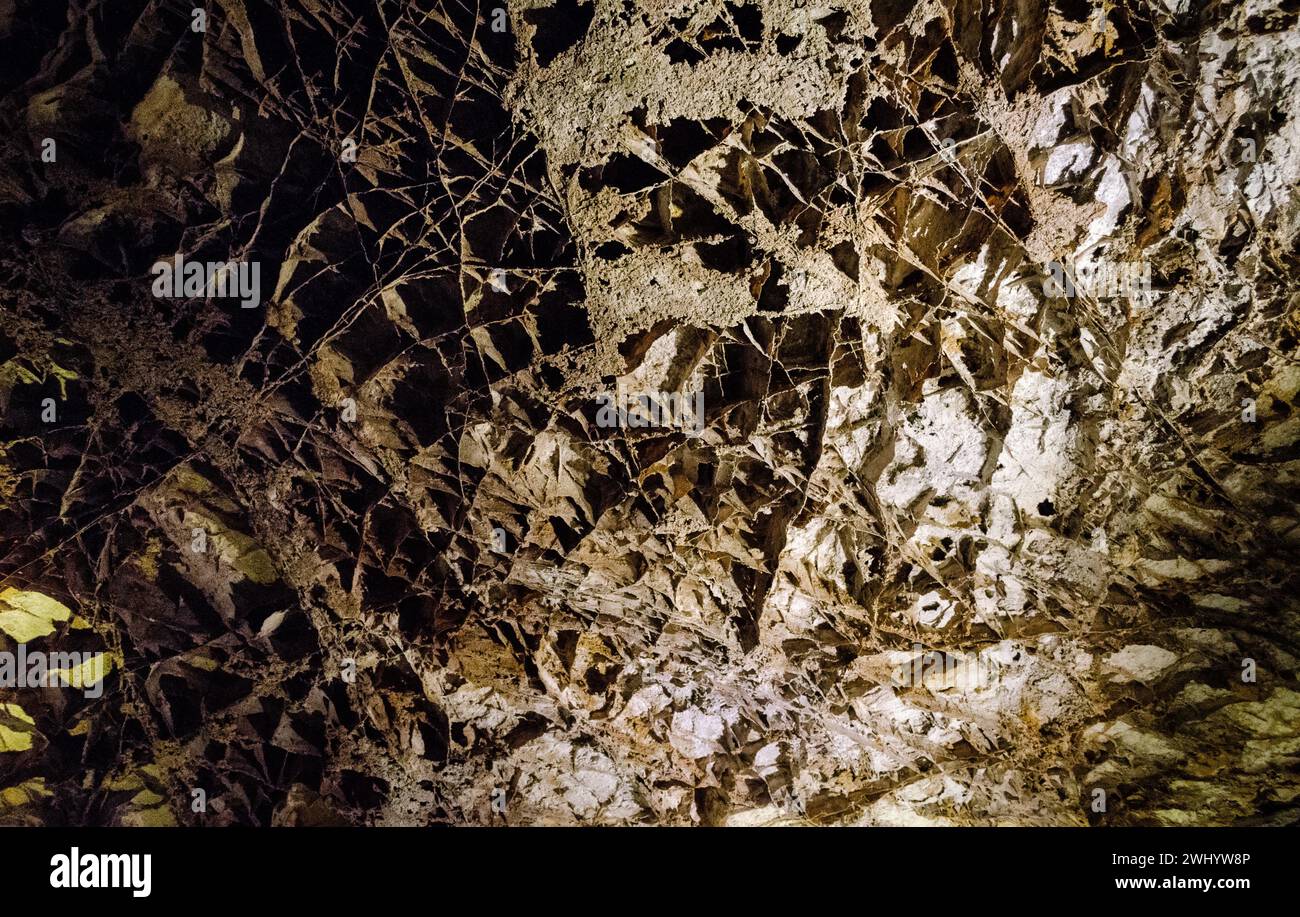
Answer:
(990, 514)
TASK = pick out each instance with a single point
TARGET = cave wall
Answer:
(991, 515)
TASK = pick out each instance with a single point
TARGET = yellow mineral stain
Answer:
(24, 615)
(93, 670)
(14, 735)
(148, 559)
(25, 793)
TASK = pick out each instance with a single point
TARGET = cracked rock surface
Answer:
(953, 543)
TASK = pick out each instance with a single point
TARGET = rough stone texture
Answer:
(949, 549)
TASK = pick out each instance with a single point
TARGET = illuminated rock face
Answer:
(990, 514)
